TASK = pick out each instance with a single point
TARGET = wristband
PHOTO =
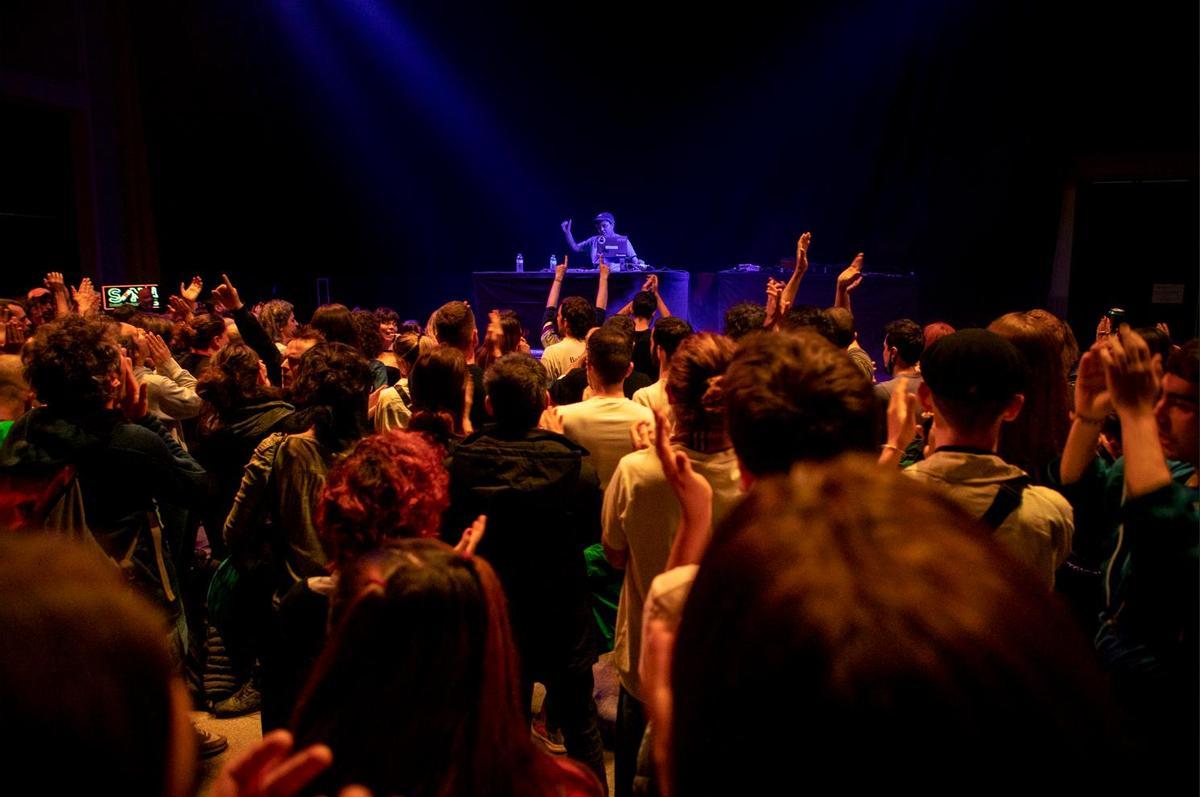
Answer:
(897, 449)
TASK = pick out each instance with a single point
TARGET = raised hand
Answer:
(268, 769)
(87, 301)
(648, 284)
(604, 269)
(14, 333)
(133, 402)
(693, 492)
(180, 307)
(802, 251)
(471, 536)
(494, 336)
(641, 435)
(226, 295)
(191, 291)
(560, 270)
(1103, 327)
(54, 283)
(1131, 372)
(566, 226)
(1093, 402)
(157, 350)
(851, 276)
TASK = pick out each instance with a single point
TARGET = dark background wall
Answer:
(396, 149)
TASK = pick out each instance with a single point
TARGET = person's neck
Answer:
(901, 368)
(11, 411)
(987, 440)
(609, 391)
(640, 324)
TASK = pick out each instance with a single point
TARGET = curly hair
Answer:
(370, 336)
(332, 387)
(744, 318)
(387, 486)
(71, 361)
(274, 317)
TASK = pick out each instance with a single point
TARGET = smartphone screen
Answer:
(143, 297)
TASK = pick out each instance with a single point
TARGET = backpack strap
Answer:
(1007, 500)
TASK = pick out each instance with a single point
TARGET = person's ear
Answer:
(474, 339)
(926, 397)
(628, 371)
(1013, 408)
(487, 405)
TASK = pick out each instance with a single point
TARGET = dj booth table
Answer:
(526, 292)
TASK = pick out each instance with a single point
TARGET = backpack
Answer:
(54, 502)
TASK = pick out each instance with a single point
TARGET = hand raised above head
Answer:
(566, 226)
(191, 292)
(851, 276)
(54, 282)
(226, 295)
(1133, 374)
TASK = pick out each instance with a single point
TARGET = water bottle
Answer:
(520, 262)
(553, 263)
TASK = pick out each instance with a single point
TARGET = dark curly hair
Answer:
(387, 486)
(332, 389)
(231, 379)
(370, 337)
(744, 318)
(71, 361)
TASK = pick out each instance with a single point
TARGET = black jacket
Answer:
(542, 499)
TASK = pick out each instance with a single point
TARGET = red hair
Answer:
(388, 486)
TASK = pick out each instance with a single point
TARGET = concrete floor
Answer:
(243, 732)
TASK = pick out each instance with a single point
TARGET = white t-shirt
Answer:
(601, 425)
(654, 396)
(558, 358)
(641, 515)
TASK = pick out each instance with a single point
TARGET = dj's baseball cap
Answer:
(605, 216)
(974, 365)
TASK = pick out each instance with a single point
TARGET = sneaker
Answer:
(552, 740)
(245, 700)
(209, 744)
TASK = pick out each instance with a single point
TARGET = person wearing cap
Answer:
(605, 228)
(974, 383)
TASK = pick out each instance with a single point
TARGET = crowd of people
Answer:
(978, 573)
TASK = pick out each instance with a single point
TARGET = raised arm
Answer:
(663, 310)
(1092, 406)
(602, 288)
(566, 228)
(847, 281)
(556, 287)
(788, 298)
(1133, 376)
(250, 329)
(58, 289)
